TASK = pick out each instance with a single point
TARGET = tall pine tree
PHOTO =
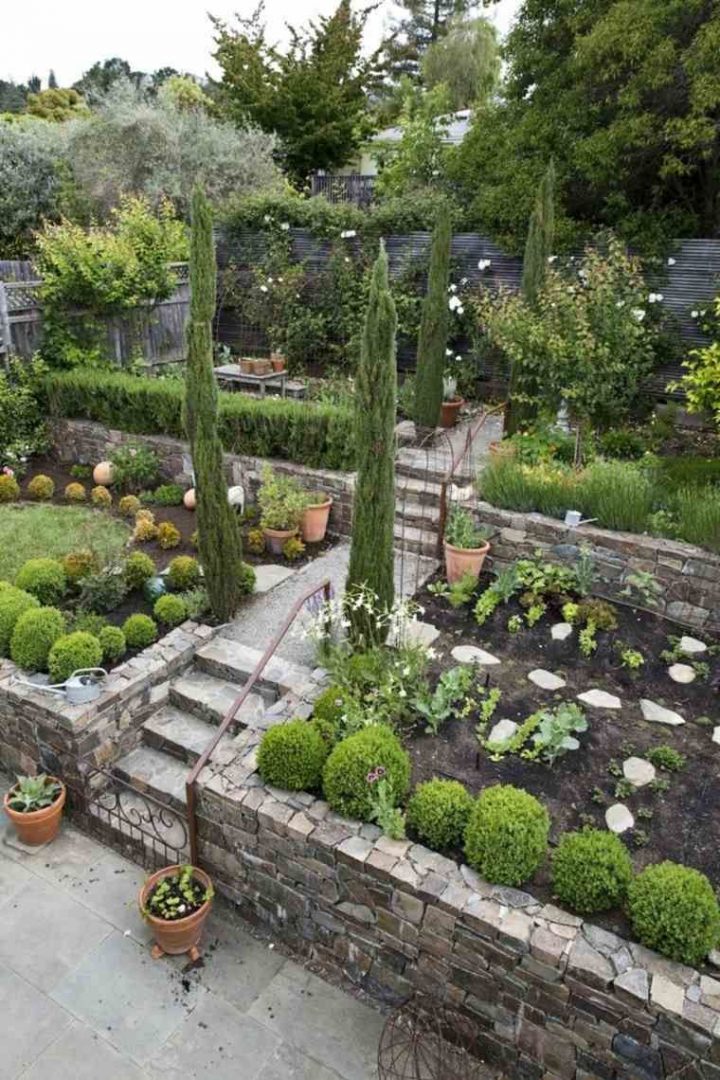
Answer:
(432, 339)
(538, 248)
(371, 553)
(218, 535)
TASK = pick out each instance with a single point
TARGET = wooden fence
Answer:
(154, 333)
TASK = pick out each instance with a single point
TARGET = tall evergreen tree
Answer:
(371, 553)
(218, 535)
(432, 339)
(538, 249)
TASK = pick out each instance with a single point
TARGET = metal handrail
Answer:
(326, 588)
(470, 437)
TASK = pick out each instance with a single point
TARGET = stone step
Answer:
(226, 659)
(418, 514)
(210, 698)
(158, 774)
(415, 540)
(181, 734)
(412, 488)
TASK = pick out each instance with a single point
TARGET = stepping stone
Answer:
(690, 645)
(638, 771)
(546, 680)
(471, 654)
(600, 699)
(502, 731)
(270, 575)
(618, 818)
(716, 734)
(682, 673)
(561, 631)
(658, 714)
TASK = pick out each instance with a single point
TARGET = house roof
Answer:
(457, 128)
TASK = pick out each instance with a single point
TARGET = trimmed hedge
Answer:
(345, 776)
(507, 835)
(292, 756)
(320, 436)
(591, 871)
(674, 910)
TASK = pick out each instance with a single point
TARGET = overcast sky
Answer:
(70, 35)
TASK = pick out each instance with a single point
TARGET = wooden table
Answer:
(231, 374)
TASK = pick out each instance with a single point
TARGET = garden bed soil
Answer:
(684, 825)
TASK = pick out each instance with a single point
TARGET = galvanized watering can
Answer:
(83, 686)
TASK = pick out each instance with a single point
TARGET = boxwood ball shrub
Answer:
(184, 572)
(129, 505)
(13, 602)
(168, 535)
(138, 569)
(507, 834)
(9, 488)
(72, 652)
(591, 871)
(112, 642)
(78, 564)
(41, 487)
(140, 631)
(100, 496)
(292, 756)
(35, 633)
(438, 812)
(44, 579)
(75, 493)
(345, 776)
(170, 610)
(674, 910)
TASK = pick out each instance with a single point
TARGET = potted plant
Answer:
(247, 365)
(277, 359)
(175, 903)
(34, 805)
(282, 504)
(466, 545)
(262, 367)
(314, 523)
(451, 403)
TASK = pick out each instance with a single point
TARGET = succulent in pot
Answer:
(466, 545)
(282, 504)
(175, 903)
(34, 805)
(314, 523)
(277, 359)
(452, 403)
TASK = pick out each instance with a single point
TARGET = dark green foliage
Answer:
(184, 572)
(438, 812)
(591, 871)
(313, 434)
(134, 467)
(112, 642)
(138, 569)
(140, 631)
(219, 540)
(246, 578)
(165, 495)
(102, 592)
(170, 610)
(674, 910)
(345, 776)
(666, 757)
(372, 551)
(13, 602)
(507, 834)
(72, 652)
(432, 340)
(292, 756)
(43, 578)
(36, 631)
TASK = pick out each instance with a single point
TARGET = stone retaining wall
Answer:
(551, 996)
(689, 576)
(87, 442)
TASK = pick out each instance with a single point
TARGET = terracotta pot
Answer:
(315, 521)
(449, 412)
(263, 367)
(39, 826)
(278, 363)
(275, 538)
(247, 366)
(190, 499)
(178, 935)
(460, 561)
(103, 473)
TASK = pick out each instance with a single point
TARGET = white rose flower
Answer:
(263, 288)
(671, 261)
(285, 225)
(484, 263)
(638, 313)
(694, 314)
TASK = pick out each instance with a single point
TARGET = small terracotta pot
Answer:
(263, 367)
(178, 935)
(449, 412)
(278, 363)
(190, 499)
(103, 473)
(247, 366)
(460, 561)
(315, 521)
(275, 538)
(39, 826)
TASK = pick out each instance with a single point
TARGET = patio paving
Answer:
(81, 997)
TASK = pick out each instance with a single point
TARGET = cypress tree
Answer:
(538, 248)
(219, 540)
(372, 548)
(432, 340)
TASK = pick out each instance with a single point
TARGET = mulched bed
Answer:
(685, 823)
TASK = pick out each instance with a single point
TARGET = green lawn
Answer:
(28, 532)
